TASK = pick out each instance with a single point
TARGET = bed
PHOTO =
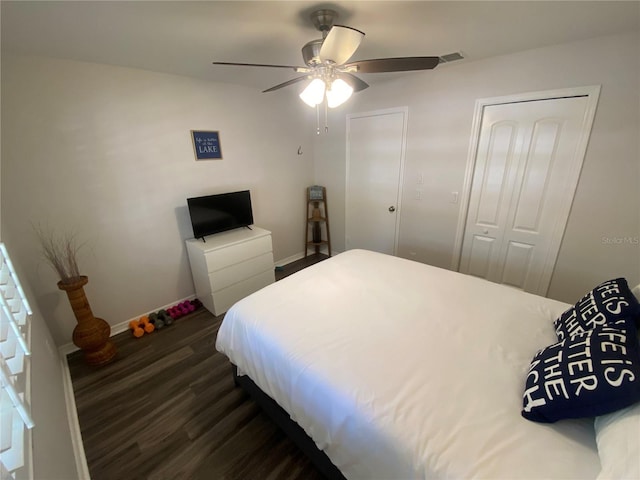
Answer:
(396, 369)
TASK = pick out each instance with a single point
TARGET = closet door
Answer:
(523, 183)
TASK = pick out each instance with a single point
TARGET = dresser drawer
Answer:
(240, 271)
(225, 298)
(223, 257)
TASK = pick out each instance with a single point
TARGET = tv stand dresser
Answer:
(229, 266)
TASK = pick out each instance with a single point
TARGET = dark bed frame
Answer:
(291, 428)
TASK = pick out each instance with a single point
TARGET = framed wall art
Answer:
(206, 145)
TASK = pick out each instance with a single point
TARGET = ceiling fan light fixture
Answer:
(313, 94)
(328, 71)
(339, 92)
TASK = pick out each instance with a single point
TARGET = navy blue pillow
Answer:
(606, 303)
(590, 374)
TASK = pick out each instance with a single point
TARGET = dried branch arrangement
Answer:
(60, 251)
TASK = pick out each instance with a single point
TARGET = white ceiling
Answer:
(184, 37)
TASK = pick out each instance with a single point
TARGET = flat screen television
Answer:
(218, 213)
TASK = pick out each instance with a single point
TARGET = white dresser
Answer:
(228, 266)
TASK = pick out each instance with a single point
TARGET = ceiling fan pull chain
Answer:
(326, 114)
(317, 119)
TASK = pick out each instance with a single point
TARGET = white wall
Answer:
(53, 453)
(441, 104)
(106, 152)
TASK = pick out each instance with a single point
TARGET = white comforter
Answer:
(401, 370)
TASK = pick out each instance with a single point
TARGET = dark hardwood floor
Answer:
(290, 268)
(167, 408)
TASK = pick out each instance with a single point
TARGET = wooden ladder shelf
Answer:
(317, 216)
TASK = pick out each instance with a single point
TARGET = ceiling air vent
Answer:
(451, 57)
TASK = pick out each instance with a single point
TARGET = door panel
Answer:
(525, 160)
(538, 169)
(494, 177)
(375, 150)
(480, 258)
(517, 264)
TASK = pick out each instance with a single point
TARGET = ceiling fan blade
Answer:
(340, 44)
(258, 65)
(354, 82)
(399, 64)
(286, 84)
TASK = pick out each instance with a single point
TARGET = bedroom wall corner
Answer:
(53, 449)
(105, 152)
(329, 170)
(600, 240)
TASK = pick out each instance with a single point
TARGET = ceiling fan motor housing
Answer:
(311, 52)
(322, 20)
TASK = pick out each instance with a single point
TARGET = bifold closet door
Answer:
(526, 170)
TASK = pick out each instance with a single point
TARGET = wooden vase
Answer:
(91, 334)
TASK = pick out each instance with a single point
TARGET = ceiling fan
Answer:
(328, 68)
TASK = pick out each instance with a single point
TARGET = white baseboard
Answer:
(290, 259)
(72, 416)
(299, 256)
(68, 348)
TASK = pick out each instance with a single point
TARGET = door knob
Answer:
(485, 231)
(392, 209)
